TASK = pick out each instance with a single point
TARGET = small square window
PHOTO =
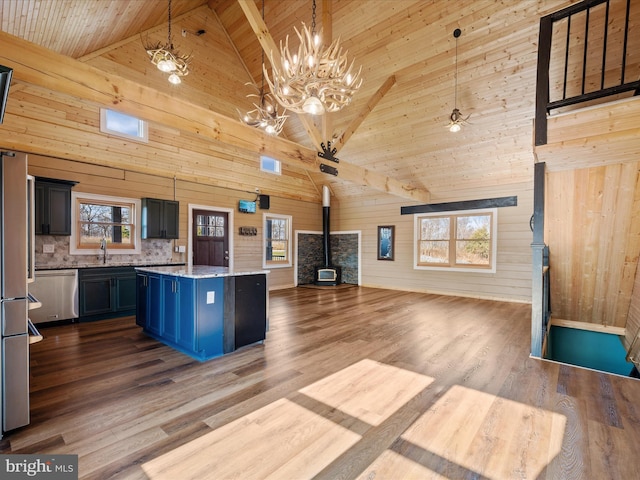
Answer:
(270, 165)
(123, 125)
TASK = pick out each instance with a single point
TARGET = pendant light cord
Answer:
(456, 33)
(169, 35)
(313, 19)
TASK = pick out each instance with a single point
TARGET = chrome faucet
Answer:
(103, 247)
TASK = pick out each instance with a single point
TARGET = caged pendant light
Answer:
(265, 114)
(456, 120)
(168, 60)
(314, 79)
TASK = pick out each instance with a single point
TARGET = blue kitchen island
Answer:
(202, 311)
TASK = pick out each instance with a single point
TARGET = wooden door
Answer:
(210, 238)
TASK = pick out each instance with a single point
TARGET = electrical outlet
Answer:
(48, 248)
(182, 248)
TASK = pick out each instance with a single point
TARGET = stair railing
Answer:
(582, 47)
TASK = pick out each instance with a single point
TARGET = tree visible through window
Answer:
(456, 240)
(277, 245)
(97, 220)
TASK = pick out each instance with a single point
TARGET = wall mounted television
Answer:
(247, 206)
(5, 80)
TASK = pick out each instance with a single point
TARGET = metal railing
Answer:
(589, 42)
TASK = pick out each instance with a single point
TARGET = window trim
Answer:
(276, 162)
(265, 263)
(448, 268)
(143, 127)
(77, 197)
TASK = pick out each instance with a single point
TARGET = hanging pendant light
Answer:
(168, 60)
(314, 80)
(456, 120)
(265, 115)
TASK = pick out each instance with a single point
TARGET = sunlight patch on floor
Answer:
(281, 440)
(367, 390)
(471, 433)
(287, 440)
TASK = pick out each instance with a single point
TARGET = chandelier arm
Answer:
(313, 72)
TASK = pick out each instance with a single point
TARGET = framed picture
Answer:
(385, 242)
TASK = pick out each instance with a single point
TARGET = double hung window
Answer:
(277, 241)
(456, 240)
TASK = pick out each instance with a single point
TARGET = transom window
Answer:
(270, 165)
(99, 218)
(123, 125)
(210, 226)
(456, 240)
(277, 244)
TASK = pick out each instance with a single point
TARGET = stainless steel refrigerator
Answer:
(16, 260)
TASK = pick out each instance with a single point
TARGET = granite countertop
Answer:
(199, 271)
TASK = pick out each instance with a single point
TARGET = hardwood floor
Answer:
(351, 383)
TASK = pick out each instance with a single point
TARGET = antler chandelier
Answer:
(167, 59)
(313, 80)
(265, 115)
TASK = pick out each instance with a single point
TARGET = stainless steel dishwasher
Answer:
(57, 291)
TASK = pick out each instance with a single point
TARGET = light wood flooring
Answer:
(352, 383)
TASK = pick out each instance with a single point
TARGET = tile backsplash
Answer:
(153, 252)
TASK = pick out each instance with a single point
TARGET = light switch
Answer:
(211, 297)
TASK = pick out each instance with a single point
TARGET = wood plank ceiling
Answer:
(396, 125)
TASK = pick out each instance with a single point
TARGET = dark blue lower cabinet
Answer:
(187, 314)
(155, 304)
(186, 321)
(142, 300)
(209, 314)
(171, 313)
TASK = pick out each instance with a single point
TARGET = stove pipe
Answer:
(326, 244)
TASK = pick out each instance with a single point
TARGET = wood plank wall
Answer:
(633, 320)
(247, 252)
(592, 227)
(512, 280)
(48, 123)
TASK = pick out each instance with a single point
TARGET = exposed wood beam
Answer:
(45, 68)
(461, 205)
(356, 122)
(254, 18)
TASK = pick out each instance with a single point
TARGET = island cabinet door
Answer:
(156, 303)
(142, 300)
(209, 306)
(250, 316)
(186, 326)
(171, 293)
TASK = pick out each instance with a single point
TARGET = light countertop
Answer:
(199, 271)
